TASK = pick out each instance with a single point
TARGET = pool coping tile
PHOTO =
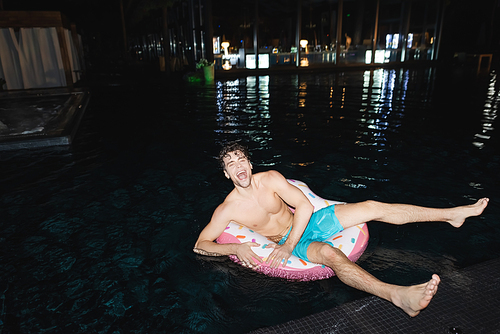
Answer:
(467, 302)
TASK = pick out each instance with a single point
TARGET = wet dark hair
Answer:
(232, 147)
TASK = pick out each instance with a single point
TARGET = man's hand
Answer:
(279, 255)
(246, 255)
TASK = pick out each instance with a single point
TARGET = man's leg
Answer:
(411, 299)
(356, 213)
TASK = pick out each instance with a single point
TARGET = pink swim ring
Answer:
(352, 242)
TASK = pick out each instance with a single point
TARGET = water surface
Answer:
(98, 238)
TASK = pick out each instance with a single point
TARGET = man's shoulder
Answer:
(230, 201)
(271, 178)
(269, 175)
(225, 209)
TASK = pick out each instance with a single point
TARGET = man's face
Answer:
(238, 169)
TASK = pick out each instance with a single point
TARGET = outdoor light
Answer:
(225, 45)
(303, 43)
(227, 65)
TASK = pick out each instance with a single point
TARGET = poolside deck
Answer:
(467, 302)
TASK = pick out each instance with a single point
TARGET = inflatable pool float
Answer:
(352, 242)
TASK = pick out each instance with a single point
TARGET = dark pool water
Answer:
(98, 238)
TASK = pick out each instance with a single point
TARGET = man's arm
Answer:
(303, 211)
(205, 244)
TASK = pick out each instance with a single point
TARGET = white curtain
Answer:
(73, 56)
(9, 60)
(33, 59)
(51, 59)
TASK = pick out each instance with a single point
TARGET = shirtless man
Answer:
(260, 202)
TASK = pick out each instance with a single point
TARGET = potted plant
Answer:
(207, 68)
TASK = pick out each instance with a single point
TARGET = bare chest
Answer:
(260, 213)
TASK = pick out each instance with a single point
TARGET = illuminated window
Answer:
(263, 61)
(410, 41)
(381, 56)
(216, 42)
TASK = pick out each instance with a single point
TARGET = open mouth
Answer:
(241, 175)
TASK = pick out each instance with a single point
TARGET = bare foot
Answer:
(463, 212)
(413, 299)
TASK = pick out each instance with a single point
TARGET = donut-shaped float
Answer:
(352, 242)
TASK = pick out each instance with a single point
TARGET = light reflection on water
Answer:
(366, 111)
(106, 229)
(378, 115)
(384, 134)
(489, 113)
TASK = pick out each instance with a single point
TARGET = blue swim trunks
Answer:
(322, 225)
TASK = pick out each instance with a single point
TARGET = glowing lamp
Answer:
(225, 45)
(227, 66)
